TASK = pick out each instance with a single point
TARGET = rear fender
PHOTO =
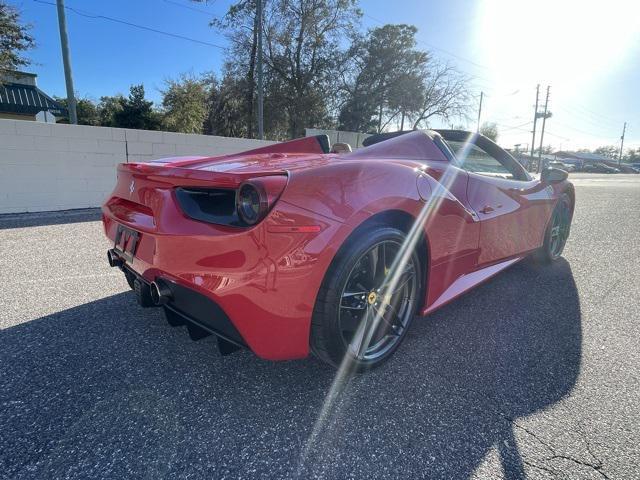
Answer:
(353, 193)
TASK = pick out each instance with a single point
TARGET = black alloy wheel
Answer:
(368, 299)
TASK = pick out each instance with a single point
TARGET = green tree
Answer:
(87, 110)
(186, 104)
(108, 108)
(547, 149)
(490, 130)
(388, 80)
(14, 39)
(391, 74)
(137, 112)
(609, 151)
(226, 113)
(632, 156)
(240, 26)
(302, 46)
(302, 41)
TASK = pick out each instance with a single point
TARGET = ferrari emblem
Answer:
(132, 187)
(372, 298)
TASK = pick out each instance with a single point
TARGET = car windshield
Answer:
(472, 158)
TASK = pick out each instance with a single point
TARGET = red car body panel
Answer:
(266, 277)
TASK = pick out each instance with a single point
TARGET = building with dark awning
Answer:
(21, 99)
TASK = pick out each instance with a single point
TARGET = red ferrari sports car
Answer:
(290, 248)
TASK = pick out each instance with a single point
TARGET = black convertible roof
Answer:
(446, 133)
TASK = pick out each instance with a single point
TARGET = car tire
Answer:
(329, 339)
(559, 224)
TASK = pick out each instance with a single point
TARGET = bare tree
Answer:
(490, 130)
(241, 28)
(445, 95)
(301, 41)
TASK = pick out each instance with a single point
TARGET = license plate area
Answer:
(126, 242)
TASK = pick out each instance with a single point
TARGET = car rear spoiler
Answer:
(182, 175)
(317, 144)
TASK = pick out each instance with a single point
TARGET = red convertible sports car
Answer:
(290, 248)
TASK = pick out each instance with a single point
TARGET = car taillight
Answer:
(243, 207)
(256, 197)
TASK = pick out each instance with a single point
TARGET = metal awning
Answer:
(28, 100)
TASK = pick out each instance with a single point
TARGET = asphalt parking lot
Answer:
(535, 374)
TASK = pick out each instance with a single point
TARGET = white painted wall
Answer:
(47, 167)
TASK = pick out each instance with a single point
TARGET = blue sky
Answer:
(589, 53)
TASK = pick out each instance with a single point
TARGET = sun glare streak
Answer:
(348, 365)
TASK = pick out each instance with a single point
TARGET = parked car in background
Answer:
(563, 166)
(599, 168)
(626, 168)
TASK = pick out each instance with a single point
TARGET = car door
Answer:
(512, 215)
(511, 205)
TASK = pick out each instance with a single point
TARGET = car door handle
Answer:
(487, 209)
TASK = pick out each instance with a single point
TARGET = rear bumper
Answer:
(254, 287)
(188, 307)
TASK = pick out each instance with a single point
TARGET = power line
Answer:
(558, 136)
(188, 7)
(135, 25)
(591, 117)
(594, 114)
(516, 127)
(591, 134)
(583, 118)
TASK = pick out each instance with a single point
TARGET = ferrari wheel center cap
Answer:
(373, 296)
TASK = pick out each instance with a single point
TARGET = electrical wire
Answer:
(135, 25)
(188, 7)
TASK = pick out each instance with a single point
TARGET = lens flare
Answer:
(367, 327)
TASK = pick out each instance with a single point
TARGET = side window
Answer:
(474, 159)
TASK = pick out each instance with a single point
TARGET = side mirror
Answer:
(553, 175)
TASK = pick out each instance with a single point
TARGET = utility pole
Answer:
(544, 121)
(479, 111)
(624, 129)
(66, 60)
(260, 80)
(535, 120)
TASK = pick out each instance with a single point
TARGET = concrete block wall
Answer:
(46, 167)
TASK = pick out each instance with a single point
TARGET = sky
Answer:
(587, 51)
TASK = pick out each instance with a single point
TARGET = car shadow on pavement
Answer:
(107, 389)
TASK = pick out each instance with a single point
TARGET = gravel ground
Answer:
(532, 375)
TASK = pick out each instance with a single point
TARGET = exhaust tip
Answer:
(160, 292)
(114, 259)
